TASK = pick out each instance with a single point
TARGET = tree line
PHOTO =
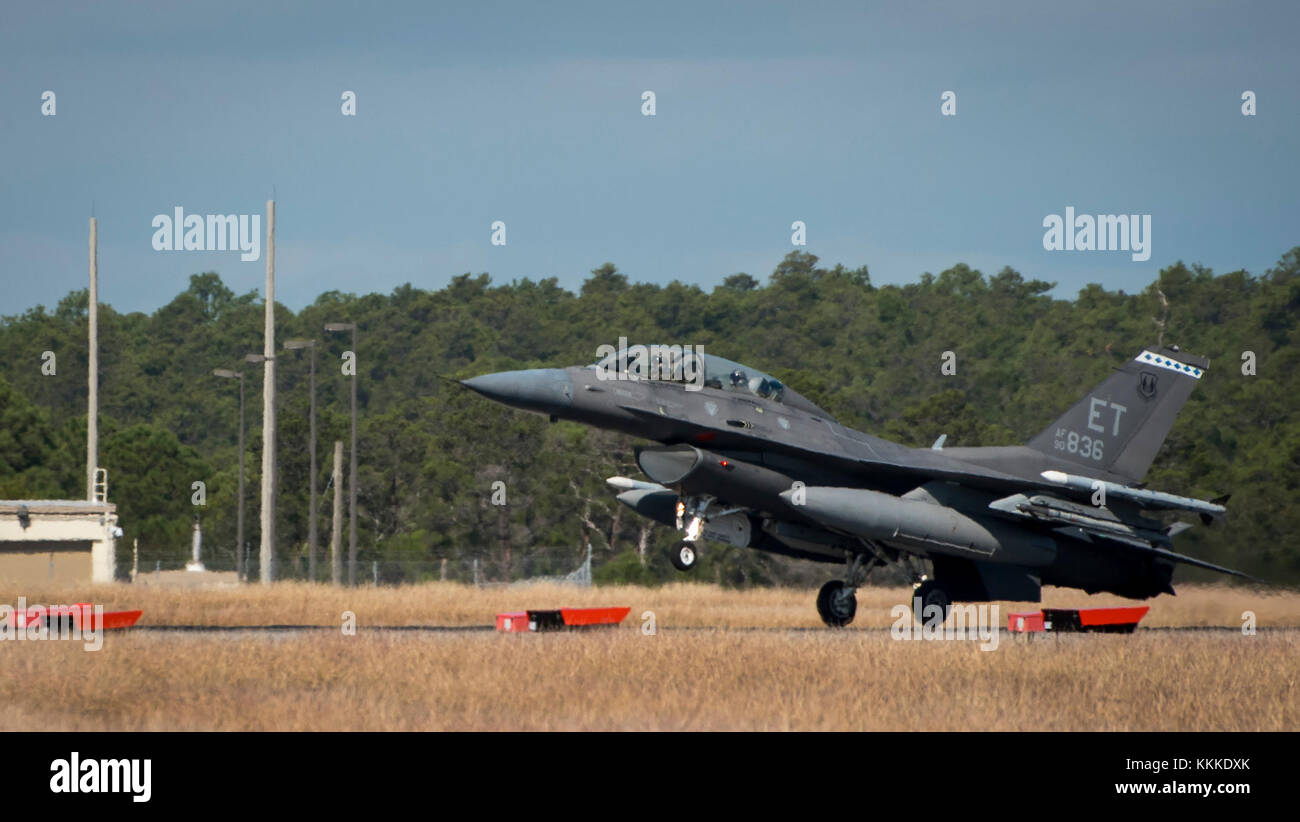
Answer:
(430, 451)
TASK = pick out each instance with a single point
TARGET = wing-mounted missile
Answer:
(629, 484)
(1156, 500)
(1090, 518)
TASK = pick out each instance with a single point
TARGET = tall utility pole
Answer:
(92, 408)
(352, 462)
(312, 524)
(352, 474)
(239, 515)
(268, 407)
(336, 531)
(241, 572)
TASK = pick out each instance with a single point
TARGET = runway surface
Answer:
(469, 629)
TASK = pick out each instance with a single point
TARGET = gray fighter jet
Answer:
(744, 460)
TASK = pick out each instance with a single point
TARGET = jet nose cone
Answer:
(545, 390)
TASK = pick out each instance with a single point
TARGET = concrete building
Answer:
(57, 541)
(60, 541)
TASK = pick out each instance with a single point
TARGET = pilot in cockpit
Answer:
(767, 387)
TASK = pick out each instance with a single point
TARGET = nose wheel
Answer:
(683, 556)
(837, 603)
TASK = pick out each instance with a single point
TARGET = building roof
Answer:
(56, 506)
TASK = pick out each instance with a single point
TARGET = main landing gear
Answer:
(933, 596)
(837, 601)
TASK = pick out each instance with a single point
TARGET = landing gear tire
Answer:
(931, 594)
(683, 556)
(837, 603)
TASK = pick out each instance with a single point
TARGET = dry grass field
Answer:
(717, 676)
(679, 605)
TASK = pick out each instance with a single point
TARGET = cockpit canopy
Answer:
(670, 363)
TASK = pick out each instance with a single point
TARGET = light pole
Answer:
(311, 522)
(352, 461)
(270, 470)
(239, 516)
(266, 555)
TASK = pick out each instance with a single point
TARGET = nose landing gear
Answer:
(690, 518)
(683, 556)
(693, 514)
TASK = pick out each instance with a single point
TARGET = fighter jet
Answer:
(737, 457)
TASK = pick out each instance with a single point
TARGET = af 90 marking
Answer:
(1075, 443)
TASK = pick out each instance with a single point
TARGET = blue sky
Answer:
(530, 113)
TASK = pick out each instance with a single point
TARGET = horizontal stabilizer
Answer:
(1174, 556)
(1200, 563)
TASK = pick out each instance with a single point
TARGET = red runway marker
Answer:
(82, 614)
(559, 620)
(1080, 620)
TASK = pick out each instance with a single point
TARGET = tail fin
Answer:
(1121, 424)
